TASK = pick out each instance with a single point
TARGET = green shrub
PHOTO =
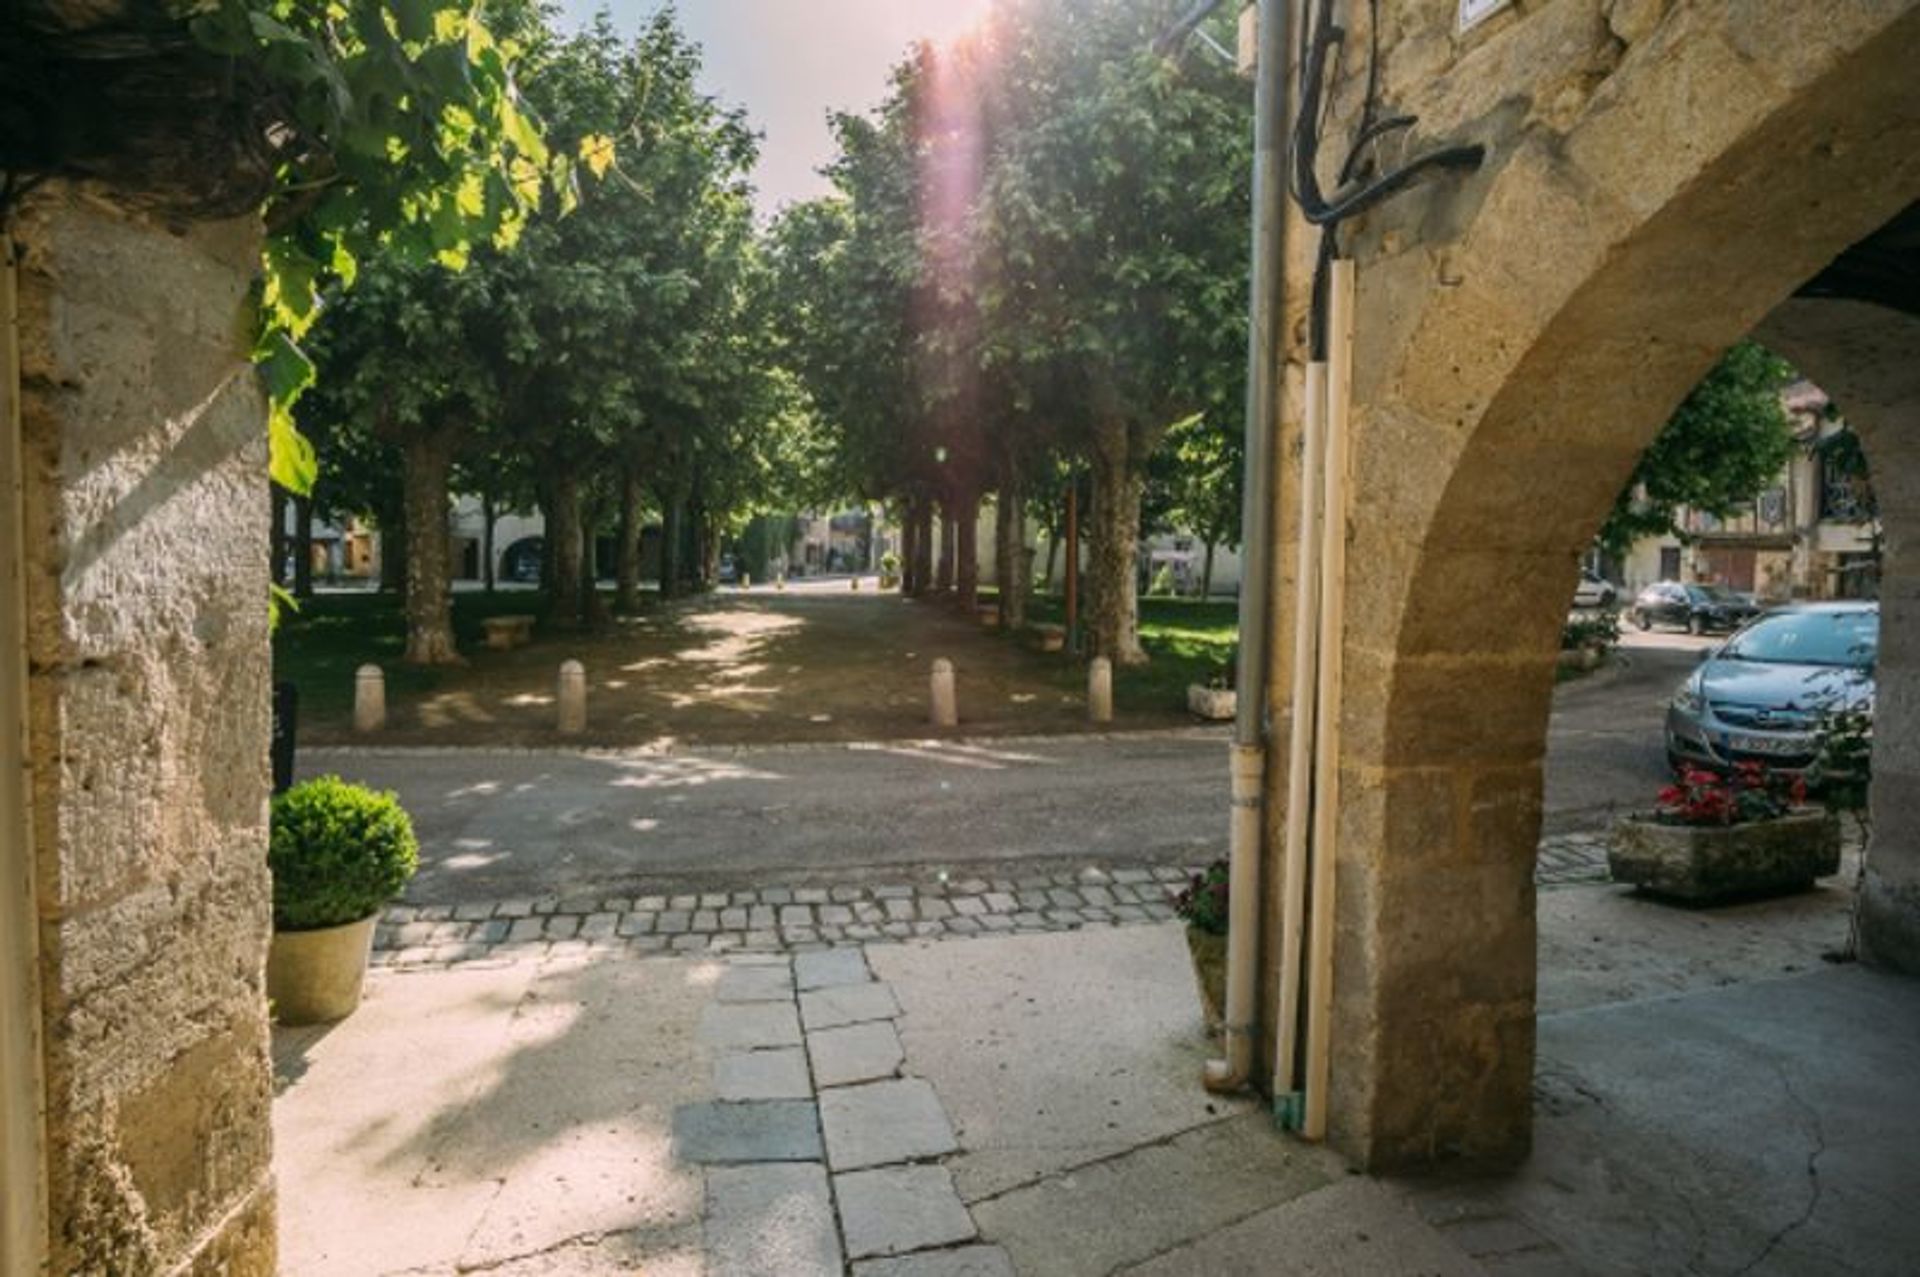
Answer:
(338, 852)
(1204, 903)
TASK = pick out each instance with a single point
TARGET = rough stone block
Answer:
(900, 1208)
(1710, 863)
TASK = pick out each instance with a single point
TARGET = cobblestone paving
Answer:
(1571, 858)
(803, 918)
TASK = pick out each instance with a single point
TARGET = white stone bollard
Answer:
(573, 698)
(1100, 690)
(369, 699)
(946, 710)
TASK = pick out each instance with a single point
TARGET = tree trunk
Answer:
(626, 596)
(278, 499)
(1206, 574)
(429, 606)
(303, 547)
(487, 519)
(1013, 568)
(670, 533)
(1113, 608)
(923, 549)
(1053, 556)
(560, 567)
(943, 575)
(966, 552)
(910, 549)
(593, 606)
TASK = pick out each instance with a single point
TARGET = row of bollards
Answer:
(944, 700)
(370, 699)
(370, 696)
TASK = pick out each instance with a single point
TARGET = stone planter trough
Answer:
(315, 977)
(1712, 862)
(1214, 703)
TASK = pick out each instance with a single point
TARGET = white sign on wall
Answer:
(1474, 12)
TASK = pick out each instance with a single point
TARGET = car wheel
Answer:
(1642, 620)
(1696, 624)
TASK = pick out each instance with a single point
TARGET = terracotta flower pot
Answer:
(1711, 862)
(315, 977)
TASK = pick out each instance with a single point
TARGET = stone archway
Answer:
(1659, 179)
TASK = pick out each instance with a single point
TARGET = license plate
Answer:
(1770, 744)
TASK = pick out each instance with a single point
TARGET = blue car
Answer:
(1763, 695)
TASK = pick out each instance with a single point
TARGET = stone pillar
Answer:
(945, 703)
(1100, 690)
(572, 698)
(369, 699)
(144, 451)
(1863, 356)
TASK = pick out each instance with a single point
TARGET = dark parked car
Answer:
(1694, 608)
(1762, 695)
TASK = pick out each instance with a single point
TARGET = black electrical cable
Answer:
(1318, 37)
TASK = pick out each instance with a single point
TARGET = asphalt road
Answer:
(503, 824)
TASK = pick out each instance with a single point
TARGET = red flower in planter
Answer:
(1752, 793)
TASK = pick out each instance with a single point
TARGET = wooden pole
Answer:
(1326, 761)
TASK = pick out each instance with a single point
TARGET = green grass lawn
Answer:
(1189, 640)
(320, 646)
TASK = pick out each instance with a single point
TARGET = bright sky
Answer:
(789, 62)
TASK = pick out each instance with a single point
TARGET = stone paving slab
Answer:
(779, 1074)
(847, 1004)
(962, 1261)
(753, 983)
(747, 1026)
(884, 1122)
(762, 1220)
(897, 1209)
(830, 967)
(855, 1053)
(763, 1131)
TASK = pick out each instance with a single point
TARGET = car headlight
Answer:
(1688, 699)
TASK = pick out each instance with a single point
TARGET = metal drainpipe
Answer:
(23, 1221)
(1273, 112)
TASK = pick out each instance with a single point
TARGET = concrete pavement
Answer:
(496, 825)
(1028, 1104)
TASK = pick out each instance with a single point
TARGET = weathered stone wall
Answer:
(1659, 177)
(144, 458)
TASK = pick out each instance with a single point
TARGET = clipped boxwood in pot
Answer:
(338, 853)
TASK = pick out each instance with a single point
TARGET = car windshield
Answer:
(1810, 638)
